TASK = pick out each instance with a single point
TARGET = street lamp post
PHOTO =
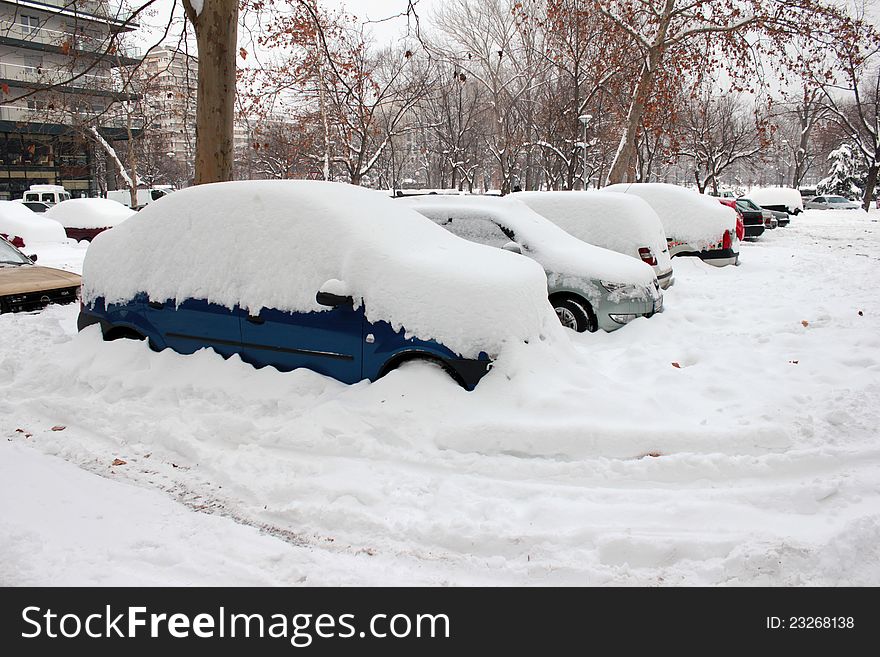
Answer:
(585, 121)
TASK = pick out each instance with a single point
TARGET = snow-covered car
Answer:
(25, 286)
(751, 215)
(306, 274)
(83, 218)
(831, 203)
(23, 227)
(695, 224)
(619, 222)
(781, 199)
(589, 287)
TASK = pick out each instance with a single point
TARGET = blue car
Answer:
(331, 277)
(340, 343)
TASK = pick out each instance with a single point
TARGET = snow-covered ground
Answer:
(731, 440)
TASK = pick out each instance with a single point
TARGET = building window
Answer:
(28, 24)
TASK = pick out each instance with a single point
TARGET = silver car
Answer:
(830, 203)
(589, 287)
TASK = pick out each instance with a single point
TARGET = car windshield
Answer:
(746, 204)
(837, 199)
(9, 255)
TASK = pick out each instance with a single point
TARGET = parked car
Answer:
(50, 194)
(23, 227)
(84, 218)
(35, 206)
(782, 199)
(751, 215)
(770, 222)
(831, 203)
(25, 286)
(144, 196)
(782, 218)
(307, 274)
(589, 287)
(695, 225)
(618, 222)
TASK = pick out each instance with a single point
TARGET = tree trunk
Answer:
(626, 150)
(871, 183)
(216, 28)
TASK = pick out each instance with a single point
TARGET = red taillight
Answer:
(647, 256)
(740, 228)
(727, 242)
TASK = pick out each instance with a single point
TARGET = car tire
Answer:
(419, 360)
(572, 314)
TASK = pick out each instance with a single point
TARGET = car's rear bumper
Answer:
(755, 230)
(720, 257)
(666, 279)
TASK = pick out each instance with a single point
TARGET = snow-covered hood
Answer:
(558, 252)
(274, 244)
(687, 215)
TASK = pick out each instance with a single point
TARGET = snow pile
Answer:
(274, 244)
(786, 196)
(89, 213)
(558, 252)
(687, 215)
(619, 222)
(17, 220)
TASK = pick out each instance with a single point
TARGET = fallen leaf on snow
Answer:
(794, 362)
(861, 314)
(676, 365)
(59, 427)
(805, 323)
(118, 462)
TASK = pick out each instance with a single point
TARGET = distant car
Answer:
(619, 222)
(782, 199)
(306, 274)
(770, 222)
(24, 227)
(26, 287)
(831, 203)
(782, 218)
(695, 225)
(589, 287)
(50, 194)
(36, 206)
(84, 218)
(751, 215)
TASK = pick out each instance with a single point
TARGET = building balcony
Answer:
(84, 10)
(21, 114)
(66, 43)
(32, 77)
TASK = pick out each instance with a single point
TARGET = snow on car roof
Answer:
(620, 222)
(791, 198)
(89, 213)
(687, 215)
(16, 219)
(556, 250)
(275, 243)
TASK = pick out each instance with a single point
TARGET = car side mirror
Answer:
(33, 257)
(513, 247)
(333, 300)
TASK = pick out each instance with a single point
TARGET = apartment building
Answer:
(56, 82)
(170, 78)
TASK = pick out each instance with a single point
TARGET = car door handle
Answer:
(256, 319)
(157, 305)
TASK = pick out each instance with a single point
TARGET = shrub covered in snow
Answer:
(687, 215)
(274, 244)
(89, 213)
(17, 220)
(844, 178)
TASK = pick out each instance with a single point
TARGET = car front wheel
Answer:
(572, 315)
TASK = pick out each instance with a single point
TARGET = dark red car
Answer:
(749, 215)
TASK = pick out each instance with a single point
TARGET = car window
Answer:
(819, 199)
(477, 229)
(746, 204)
(48, 198)
(837, 199)
(32, 197)
(10, 255)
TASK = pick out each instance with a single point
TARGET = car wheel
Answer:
(417, 360)
(573, 315)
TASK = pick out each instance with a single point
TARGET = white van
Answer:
(50, 194)
(144, 196)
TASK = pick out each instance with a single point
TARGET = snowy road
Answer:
(731, 440)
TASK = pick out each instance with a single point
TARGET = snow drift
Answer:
(274, 244)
